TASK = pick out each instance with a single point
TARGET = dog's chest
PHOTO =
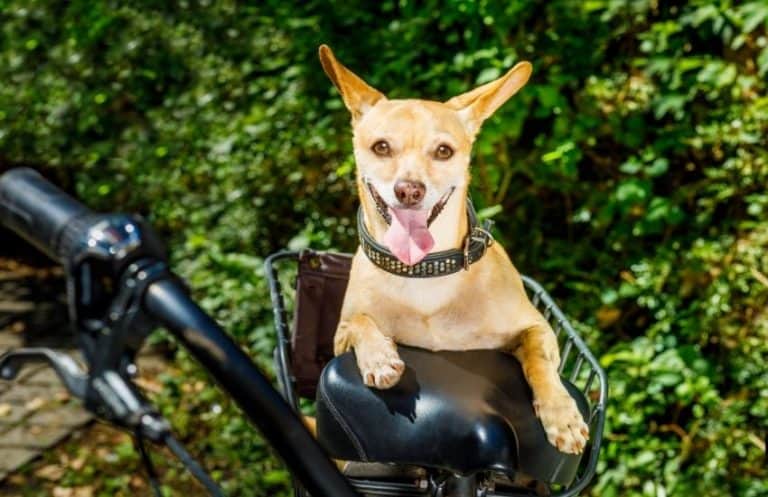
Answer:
(427, 296)
(436, 314)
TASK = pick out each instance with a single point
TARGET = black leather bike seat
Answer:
(460, 411)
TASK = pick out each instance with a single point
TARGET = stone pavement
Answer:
(36, 411)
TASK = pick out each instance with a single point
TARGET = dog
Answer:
(412, 173)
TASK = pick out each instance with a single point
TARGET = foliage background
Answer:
(629, 177)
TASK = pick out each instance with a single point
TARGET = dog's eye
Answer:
(443, 152)
(381, 148)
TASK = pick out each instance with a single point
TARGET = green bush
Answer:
(629, 176)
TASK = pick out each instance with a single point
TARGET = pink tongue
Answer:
(408, 236)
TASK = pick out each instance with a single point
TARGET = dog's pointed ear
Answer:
(479, 104)
(358, 96)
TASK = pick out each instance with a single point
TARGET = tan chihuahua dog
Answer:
(412, 178)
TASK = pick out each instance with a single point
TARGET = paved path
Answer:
(36, 412)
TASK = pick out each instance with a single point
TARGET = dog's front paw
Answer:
(563, 423)
(379, 363)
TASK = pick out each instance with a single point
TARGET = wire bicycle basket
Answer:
(292, 276)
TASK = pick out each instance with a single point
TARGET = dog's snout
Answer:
(409, 193)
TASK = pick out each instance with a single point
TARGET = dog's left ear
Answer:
(477, 105)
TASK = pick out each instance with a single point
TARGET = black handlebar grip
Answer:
(38, 211)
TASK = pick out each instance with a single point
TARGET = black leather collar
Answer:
(476, 242)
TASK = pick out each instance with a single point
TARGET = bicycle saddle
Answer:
(460, 411)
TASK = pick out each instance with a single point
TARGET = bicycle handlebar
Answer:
(40, 212)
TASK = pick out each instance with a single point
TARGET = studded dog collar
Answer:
(476, 242)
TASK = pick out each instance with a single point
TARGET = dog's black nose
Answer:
(409, 193)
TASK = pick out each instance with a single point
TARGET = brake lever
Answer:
(116, 399)
(70, 373)
(108, 395)
(111, 396)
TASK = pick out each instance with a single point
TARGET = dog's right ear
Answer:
(358, 96)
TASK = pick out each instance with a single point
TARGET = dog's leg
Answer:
(311, 423)
(377, 357)
(536, 349)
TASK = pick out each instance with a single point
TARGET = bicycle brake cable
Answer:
(184, 457)
(192, 466)
(148, 465)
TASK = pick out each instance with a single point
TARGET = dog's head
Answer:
(413, 155)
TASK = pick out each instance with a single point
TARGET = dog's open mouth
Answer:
(408, 236)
